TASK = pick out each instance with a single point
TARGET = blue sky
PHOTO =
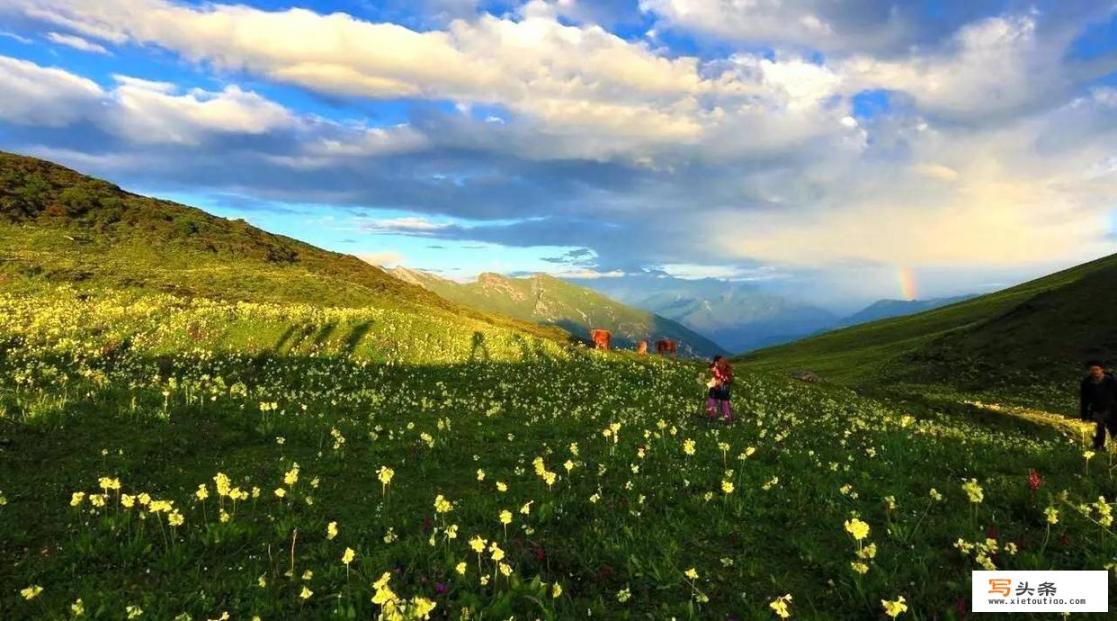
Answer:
(827, 145)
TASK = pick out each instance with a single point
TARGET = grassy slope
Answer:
(58, 226)
(632, 513)
(1031, 336)
(548, 300)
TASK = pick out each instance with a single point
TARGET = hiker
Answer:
(717, 398)
(1098, 401)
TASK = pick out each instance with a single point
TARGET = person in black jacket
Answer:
(1098, 401)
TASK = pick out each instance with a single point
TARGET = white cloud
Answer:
(35, 95)
(77, 43)
(410, 225)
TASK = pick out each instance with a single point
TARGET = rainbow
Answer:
(906, 278)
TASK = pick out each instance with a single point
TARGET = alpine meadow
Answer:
(557, 310)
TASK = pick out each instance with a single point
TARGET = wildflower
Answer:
(291, 477)
(894, 608)
(134, 612)
(973, 491)
(727, 487)
(859, 567)
(691, 573)
(858, 529)
(624, 595)
(422, 607)
(223, 484)
(505, 569)
(495, 552)
(175, 519)
(76, 499)
(460, 568)
(478, 544)
(781, 606)
(385, 474)
(868, 552)
(306, 593)
(506, 517)
(688, 446)
(77, 608)
(202, 492)
(1052, 515)
(480, 474)
(107, 483)
(935, 495)
(31, 592)
(331, 530)
(127, 501)
(348, 556)
(280, 492)
(501, 486)
(526, 509)
(441, 505)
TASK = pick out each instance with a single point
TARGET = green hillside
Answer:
(548, 300)
(60, 227)
(1023, 344)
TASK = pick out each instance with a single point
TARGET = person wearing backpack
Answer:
(1098, 401)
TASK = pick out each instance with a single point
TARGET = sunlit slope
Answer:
(60, 227)
(1037, 331)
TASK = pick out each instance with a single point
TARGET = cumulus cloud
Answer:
(387, 258)
(36, 95)
(565, 134)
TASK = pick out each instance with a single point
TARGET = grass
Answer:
(1024, 345)
(163, 393)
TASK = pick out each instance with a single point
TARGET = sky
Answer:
(838, 151)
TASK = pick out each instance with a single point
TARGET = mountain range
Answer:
(547, 300)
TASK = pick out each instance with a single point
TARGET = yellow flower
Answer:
(441, 505)
(973, 491)
(280, 492)
(175, 519)
(134, 612)
(348, 556)
(291, 477)
(78, 608)
(480, 474)
(858, 529)
(222, 483)
(501, 486)
(422, 607)
(556, 591)
(478, 544)
(76, 499)
(867, 552)
(894, 608)
(505, 569)
(688, 446)
(727, 487)
(859, 567)
(460, 568)
(107, 483)
(31, 592)
(1052, 515)
(385, 475)
(306, 593)
(127, 501)
(506, 517)
(496, 553)
(781, 606)
(331, 530)
(691, 573)
(1088, 455)
(526, 509)
(202, 492)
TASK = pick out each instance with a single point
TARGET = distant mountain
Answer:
(552, 301)
(883, 309)
(737, 315)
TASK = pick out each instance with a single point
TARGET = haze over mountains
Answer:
(741, 316)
